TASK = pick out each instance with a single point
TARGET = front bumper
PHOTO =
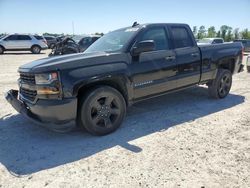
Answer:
(59, 115)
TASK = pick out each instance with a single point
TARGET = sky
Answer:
(88, 17)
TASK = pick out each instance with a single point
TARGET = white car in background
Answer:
(23, 42)
(248, 63)
(210, 41)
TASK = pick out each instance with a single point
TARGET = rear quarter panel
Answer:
(217, 54)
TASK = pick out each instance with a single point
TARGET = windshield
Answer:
(113, 41)
(208, 41)
(1, 36)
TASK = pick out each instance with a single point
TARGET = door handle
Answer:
(195, 54)
(170, 58)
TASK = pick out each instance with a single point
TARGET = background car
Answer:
(86, 41)
(51, 41)
(248, 63)
(245, 43)
(210, 41)
(72, 45)
(23, 42)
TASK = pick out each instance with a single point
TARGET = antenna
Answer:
(135, 24)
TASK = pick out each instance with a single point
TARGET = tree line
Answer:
(226, 32)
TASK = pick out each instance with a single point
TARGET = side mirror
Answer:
(143, 46)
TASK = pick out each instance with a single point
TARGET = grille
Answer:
(27, 78)
(28, 94)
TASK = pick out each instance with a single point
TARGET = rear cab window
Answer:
(217, 41)
(181, 37)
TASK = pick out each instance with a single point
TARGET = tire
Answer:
(248, 68)
(36, 49)
(51, 46)
(1, 50)
(220, 87)
(101, 110)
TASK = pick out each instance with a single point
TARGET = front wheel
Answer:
(101, 110)
(221, 85)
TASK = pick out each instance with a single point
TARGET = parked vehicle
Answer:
(51, 41)
(245, 43)
(125, 66)
(248, 63)
(66, 46)
(1, 36)
(86, 41)
(210, 41)
(23, 42)
(69, 45)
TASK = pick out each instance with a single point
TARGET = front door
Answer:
(154, 72)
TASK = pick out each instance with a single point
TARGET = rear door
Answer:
(188, 57)
(24, 41)
(154, 72)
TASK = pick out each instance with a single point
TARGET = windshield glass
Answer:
(113, 41)
(208, 41)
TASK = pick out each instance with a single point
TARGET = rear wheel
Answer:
(1, 50)
(221, 85)
(36, 49)
(102, 110)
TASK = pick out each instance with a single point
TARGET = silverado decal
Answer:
(143, 83)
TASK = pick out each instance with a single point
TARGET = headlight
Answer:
(46, 78)
(48, 84)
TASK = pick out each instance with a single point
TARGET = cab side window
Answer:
(158, 35)
(181, 37)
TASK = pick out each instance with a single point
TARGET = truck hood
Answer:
(71, 61)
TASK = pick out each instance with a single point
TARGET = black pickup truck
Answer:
(93, 89)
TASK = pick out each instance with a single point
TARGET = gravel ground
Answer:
(183, 139)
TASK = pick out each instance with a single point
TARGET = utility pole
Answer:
(73, 28)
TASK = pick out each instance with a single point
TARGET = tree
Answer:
(245, 34)
(236, 33)
(224, 29)
(202, 32)
(211, 32)
(97, 33)
(218, 34)
(195, 31)
(229, 35)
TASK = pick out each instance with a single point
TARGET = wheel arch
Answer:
(2, 46)
(228, 64)
(35, 45)
(118, 83)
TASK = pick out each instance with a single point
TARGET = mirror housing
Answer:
(143, 46)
